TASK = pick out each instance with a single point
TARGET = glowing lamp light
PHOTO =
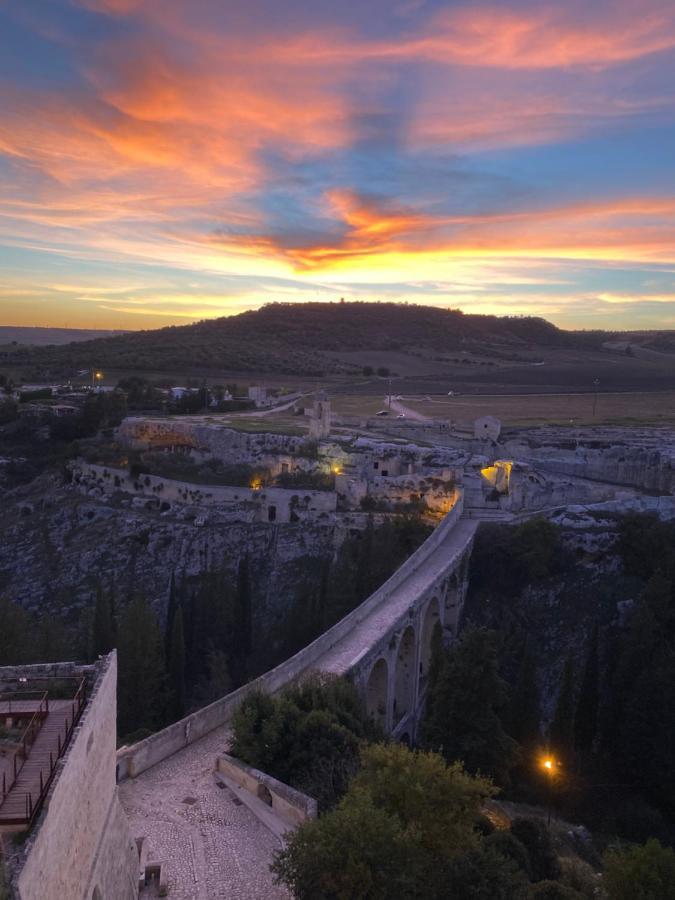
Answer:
(256, 484)
(548, 764)
(336, 470)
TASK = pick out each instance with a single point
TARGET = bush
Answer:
(508, 846)
(645, 872)
(536, 838)
(579, 876)
(483, 875)
(399, 831)
(309, 736)
(552, 890)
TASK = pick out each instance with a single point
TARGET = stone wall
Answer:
(291, 805)
(246, 504)
(81, 840)
(208, 437)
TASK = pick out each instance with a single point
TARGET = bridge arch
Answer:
(431, 623)
(377, 692)
(404, 680)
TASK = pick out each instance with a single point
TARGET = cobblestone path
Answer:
(213, 845)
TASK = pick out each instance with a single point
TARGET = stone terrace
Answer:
(212, 844)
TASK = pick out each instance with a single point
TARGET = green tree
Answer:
(171, 605)
(103, 637)
(176, 665)
(536, 838)
(15, 634)
(243, 624)
(404, 820)
(141, 682)
(523, 716)
(308, 736)
(561, 732)
(464, 707)
(586, 716)
(644, 872)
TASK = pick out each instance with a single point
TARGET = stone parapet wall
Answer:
(291, 805)
(10, 675)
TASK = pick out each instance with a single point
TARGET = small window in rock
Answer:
(272, 514)
(376, 465)
(385, 471)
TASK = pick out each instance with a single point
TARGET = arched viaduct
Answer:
(384, 645)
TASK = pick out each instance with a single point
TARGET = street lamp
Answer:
(549, 766)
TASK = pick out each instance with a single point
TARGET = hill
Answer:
(425, 346)
(300, 339)
(40, 337)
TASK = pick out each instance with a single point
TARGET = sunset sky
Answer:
(164, 161)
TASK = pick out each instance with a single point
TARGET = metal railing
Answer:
(26, 741)
(14, 702)
(33, 799)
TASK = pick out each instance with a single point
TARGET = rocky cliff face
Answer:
(557, 613)
(56, 545)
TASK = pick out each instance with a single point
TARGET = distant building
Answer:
(319, 424)
(177, 393)
(260, 395)
(487, 428)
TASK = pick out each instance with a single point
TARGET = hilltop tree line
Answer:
(291, 338)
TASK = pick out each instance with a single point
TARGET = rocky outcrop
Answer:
(57, 545)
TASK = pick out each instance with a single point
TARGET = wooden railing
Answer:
(33, 799)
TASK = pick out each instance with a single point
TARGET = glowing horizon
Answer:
(163, 162)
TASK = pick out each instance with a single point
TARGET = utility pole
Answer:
(596, 383)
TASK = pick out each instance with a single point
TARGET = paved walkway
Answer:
(213, 845)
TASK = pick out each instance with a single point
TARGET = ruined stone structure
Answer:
(319, 424)
(80, 846)
(243, 504)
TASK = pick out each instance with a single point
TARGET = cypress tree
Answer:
(170, 613)
(561, 733)
(464, 706)
(586, 717)
(141, 682)
(176, 664)
(243, 627)
(524, 713)
(103, 637)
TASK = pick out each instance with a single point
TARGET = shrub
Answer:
(643, 872)
(579, 876)
(508, 845)
(401, 830)
(552, 890)
(536, 838)
(309, 736)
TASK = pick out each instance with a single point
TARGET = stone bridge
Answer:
(384, 645)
